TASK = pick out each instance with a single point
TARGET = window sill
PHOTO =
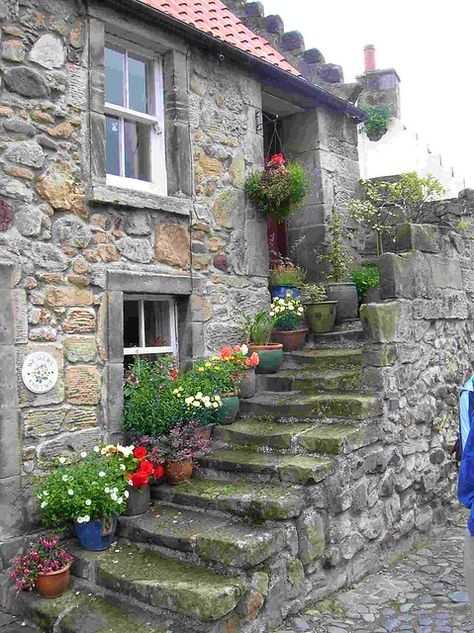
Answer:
(103, 193)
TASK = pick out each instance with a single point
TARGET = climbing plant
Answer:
(379, 118)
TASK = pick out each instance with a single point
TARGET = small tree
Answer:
(336, 254)
(384, 203)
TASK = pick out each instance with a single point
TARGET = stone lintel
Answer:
(106, 194)
(149, 283)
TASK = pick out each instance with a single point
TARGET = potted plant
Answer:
(44, 567)
(288, 315)
(367, 281)
(286, 278)
(224, 380)
(320, 313)
(90, 491)
(257, 330)
(279, 189)
(244, 366)
(339, 287)
(178, 450)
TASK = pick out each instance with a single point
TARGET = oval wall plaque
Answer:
(39, 372)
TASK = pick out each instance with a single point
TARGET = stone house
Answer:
(127, 129)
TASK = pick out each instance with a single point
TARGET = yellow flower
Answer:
(201, 369)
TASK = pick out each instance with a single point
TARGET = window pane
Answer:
(131, 324)
(112, 145)
(137, 85)
(157, 324)
(114, 76)
(137, 150)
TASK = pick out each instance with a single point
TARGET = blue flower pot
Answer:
(97, 535)
(282, 291)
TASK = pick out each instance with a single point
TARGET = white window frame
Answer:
(142, 349)
(156, 121)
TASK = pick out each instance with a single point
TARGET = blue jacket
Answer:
(466, 468)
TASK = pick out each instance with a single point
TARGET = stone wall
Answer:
(70, 245)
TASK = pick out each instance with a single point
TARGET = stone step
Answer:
(323, 359)
(82, 611)
(311, 381)
(205, 536)
(338, 338)
(241, 498)
(292, 404)
(330, 439)
(295, 469)
(165, 584)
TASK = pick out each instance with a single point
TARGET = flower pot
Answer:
(290, 339)
(230, 407)
(205, 431)
(321, 317)
(248, 384)
(96, 535)
(271, 357)
(282, 291)
(347, 302)
(179, 472)
(138, 501)
(53, 584)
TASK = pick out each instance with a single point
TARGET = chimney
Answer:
(369, 57)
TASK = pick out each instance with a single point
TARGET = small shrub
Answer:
(314, 293)
(288, 313)
(379, 118)
(287, 274)
(257, 329)
(336, 254)
(364, 278)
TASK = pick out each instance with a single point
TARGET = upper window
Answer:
(135, 154)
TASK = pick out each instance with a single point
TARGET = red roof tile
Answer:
(214, 18)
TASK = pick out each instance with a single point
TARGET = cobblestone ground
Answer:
(423, 592)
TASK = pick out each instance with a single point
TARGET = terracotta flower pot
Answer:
(291, 339)
(179, 472)
(138, 501)
(248, 384)
(205, 431)
(230, 407)
(54, 584)
(271, 357)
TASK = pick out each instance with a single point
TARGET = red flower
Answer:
(159, 472)
(236, 348)
(173, 374)
(146, 467)
(139, 479)
(140, 452)
(277, 160)
(253, 360)
(226, 352)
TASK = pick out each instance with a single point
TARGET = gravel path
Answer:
(423, 592)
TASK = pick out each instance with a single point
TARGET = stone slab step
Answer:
(320, 405)
(295, 469)
(81, 611)
(311, 381)
(211, 538)
(241, 498)
(342, 337)
(330, 439)
(323, 359)
(159, 582)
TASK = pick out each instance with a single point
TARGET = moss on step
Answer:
(168, 583)
(329, 439)
(327, 359)
(254, 433)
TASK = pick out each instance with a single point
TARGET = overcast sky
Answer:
(429, 43)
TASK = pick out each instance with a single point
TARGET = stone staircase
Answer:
(248, 539)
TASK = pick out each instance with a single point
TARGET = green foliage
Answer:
(215, 375)
(91, 487)
(258, 329)
(287, 313)
(379, 119)
(287, 274)
(364, 278)
(386, 203)
(277, 192)
(336, 255)
(314, 293)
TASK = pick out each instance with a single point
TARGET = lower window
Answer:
(149, 326)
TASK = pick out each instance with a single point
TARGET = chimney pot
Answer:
(369, 57)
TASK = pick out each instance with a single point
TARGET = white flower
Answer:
(244, 349)
(199, 395)
(44, 504)
(122, 467)
(113, 495)
(101, 473)
(120, 500)
(80, 520)
(96, 449)
(291, 307)
(39, 495)
(83, 454)
(176, 392)
(88, 502)
(86, 518)
(196, 403)
(189, 399)
(62, 460)
(106, 490)
(215, 405)
(70, 492)
(46, 493)
(125, 450)
(64, 477)
(126, 494)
